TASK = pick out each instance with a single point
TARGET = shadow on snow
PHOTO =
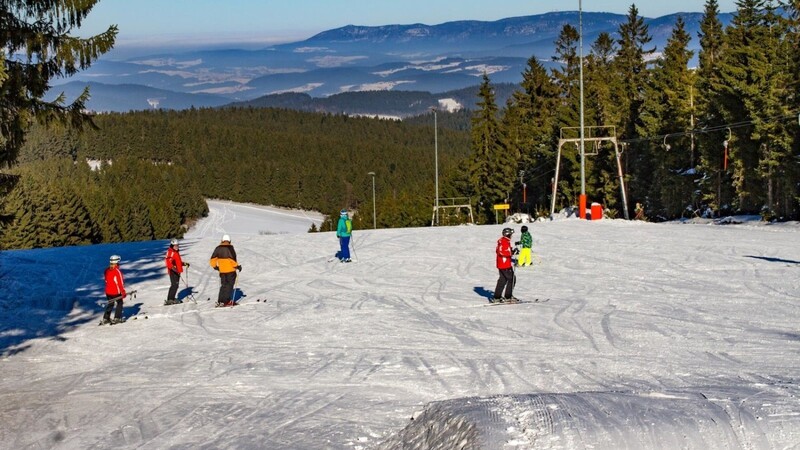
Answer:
(777, 260)
(45, 293)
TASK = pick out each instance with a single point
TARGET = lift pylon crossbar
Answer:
(592, 137)
(452, 203)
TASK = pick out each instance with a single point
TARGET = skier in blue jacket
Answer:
(343, 231)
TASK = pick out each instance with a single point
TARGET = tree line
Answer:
(721, 138)
(154, 168)
(61, 200)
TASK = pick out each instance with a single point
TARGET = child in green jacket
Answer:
(525, 254)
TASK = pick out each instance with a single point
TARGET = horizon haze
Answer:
(245, 24)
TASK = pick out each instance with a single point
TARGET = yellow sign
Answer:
(502, 206)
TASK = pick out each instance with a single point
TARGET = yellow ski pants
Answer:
(524, 257)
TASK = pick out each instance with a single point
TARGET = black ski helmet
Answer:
(524, 228)
(507, 232)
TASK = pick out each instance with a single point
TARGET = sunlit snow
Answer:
(654, 336)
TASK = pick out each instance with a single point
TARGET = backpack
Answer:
(348, 225)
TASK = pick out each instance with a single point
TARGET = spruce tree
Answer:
(491, 169)
(39, 31)
(775, 134)
(601, 84)
(667, 111)
(794, 49)
(755, 87)
(567, 79)
(535, 133)
(715, 188)
(631, 67)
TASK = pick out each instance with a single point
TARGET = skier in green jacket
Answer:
(525, 254)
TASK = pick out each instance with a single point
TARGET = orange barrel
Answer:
(597, 211)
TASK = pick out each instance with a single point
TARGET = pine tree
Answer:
(794, 49)
(567, 79)
(535, 133)
(39, 30)
(709, 90)
(567, 76)
(631, 66)
(631, 63)
(774, 134)
(754, 90)
(667, 111)
(491, 169)
(601, 84)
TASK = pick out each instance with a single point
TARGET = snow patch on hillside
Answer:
(334, 61)
(379, 86)
(308, 87)
(450, 105)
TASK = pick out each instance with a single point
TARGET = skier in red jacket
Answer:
(506, 267)
(115, 291)
(174, 268)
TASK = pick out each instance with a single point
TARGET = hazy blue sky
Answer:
(285, 20)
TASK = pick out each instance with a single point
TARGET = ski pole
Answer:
(186, 282)
(191, 294)
(119, 297)
(235, 284)
(353, 247)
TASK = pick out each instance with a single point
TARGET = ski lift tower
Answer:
(596, 135)
(455, 203)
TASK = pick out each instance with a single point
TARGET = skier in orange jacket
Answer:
(224, 260)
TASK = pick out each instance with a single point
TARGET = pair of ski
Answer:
(136, 317)
(132, 294)
(218, 305)
(493, 302)
(112, 322)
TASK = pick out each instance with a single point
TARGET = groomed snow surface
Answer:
(656, 336)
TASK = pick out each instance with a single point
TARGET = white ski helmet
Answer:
(114, 259)
(173, 242)
(226, 238)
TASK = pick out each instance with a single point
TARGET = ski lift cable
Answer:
(707, 130)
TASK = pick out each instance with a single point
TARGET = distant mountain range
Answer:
(431, 60)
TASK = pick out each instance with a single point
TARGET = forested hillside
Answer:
(59, 202)
(158, 166)
(397, 103)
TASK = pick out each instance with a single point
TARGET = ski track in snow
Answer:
(655, 336)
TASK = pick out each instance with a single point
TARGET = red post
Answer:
(725, 163)
(582, 206)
